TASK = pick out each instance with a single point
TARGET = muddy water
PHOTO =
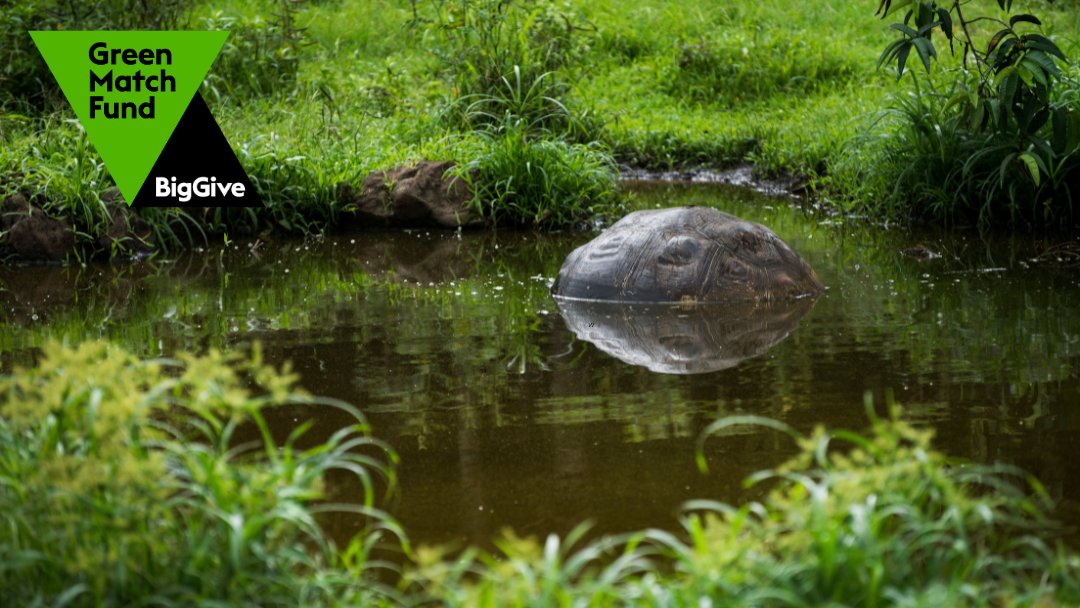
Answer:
(505, 414)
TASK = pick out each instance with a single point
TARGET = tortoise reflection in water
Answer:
(684, 339)
(685, 254)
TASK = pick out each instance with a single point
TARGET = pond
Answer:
(504, 417)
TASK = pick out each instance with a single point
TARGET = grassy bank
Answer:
(127, 482)
(314, 94)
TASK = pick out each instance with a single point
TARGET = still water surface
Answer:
(504, 417)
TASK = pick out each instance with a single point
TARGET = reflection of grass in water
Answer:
(214, 300)
(953, 321)
(660, 414)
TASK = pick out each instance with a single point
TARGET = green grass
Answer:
(527, 181)
(130, 482)
(350, 87)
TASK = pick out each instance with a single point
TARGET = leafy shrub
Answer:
(124, 482)
(524, 181)
(1005, 141)
(944, 170)
(506, 60)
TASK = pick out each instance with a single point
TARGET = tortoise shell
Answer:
(685, 254)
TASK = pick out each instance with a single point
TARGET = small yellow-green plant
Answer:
(126, 482)
(884, 520)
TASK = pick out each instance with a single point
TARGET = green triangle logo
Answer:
(129, 89)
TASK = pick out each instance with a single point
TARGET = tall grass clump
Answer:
(882, 520)
(522, 180)
(52, 162)
(126, 482)
(877, 519)
(507, 59)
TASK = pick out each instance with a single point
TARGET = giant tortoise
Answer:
(685, 254)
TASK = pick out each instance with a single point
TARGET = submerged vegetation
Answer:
(313, 94)
(157, 482)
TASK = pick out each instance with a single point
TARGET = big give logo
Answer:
(136, 95)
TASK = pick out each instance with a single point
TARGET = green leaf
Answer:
(1004, 54)
(901, 59)
(924, 29)
(888, 4)
(946, 22)
(1044, 44)
(1059, 128)
(1032, 166)
(1024, 18)
(1037, 71)
(1007, 83)
(926, 50)
(891, 51)
(900, 27)
(1073, 139)
(1044, 61)
(998, 37)
(979, 116)
(1005, 167)
(1026, 74)
(955, 100)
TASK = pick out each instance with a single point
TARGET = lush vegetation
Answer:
(130, 482)
(126, 482)
(1002, 136)
(133, 482)
(312, 94)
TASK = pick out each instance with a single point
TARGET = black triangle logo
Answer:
(197, 167)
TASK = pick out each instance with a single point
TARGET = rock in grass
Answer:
(128, 234)
(685, 254)
(30, 234)
(13, 210)
(421, 195)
